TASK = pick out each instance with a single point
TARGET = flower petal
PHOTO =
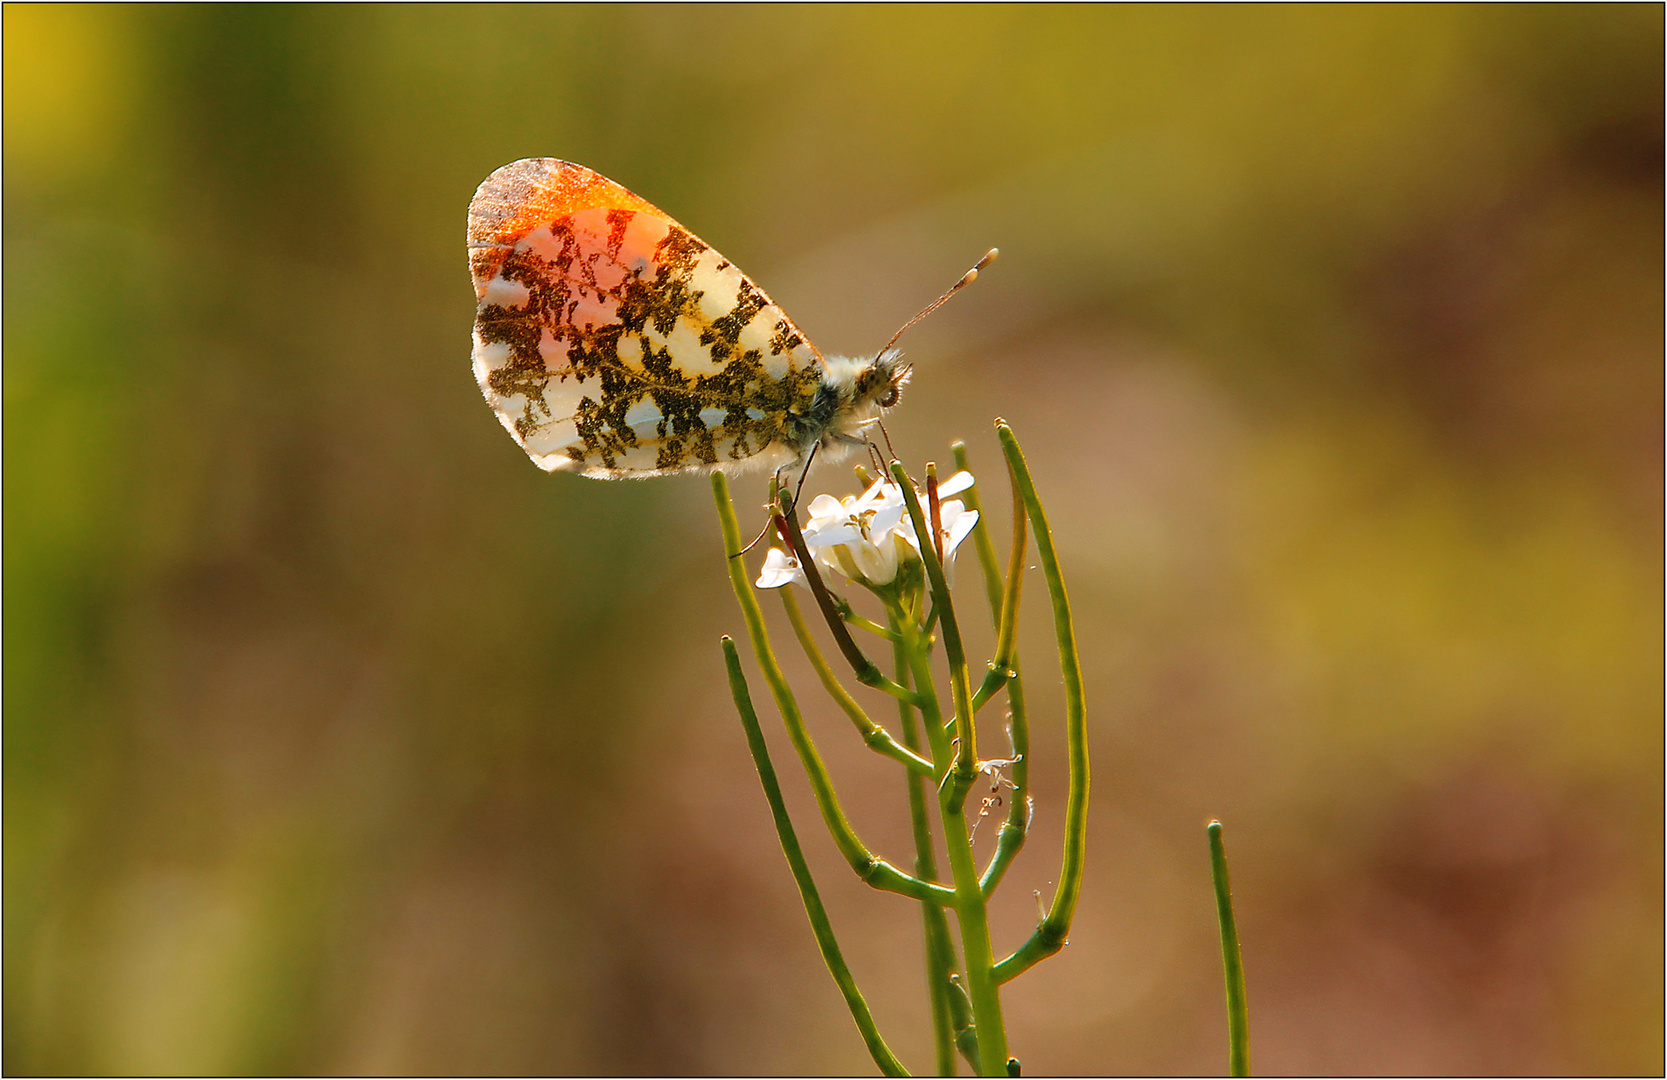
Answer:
(885, 519)
(957, 526)
(961, 481)
(825, 506)
(779, 569)
(843, 532)
(879, 492)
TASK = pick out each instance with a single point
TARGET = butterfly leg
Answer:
(876, 458)
(886, 435)
(779, 486)
(761, 535)
(810, 457)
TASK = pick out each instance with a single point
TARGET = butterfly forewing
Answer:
(611, 341)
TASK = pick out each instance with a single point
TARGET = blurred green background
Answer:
(339, 738)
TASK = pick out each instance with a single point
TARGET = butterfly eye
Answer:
(889, 397)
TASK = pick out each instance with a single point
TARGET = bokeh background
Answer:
(338, 738)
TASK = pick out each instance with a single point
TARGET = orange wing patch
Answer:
(531, 192)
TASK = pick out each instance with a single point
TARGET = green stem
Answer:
(874, 871)
(966, 756)
(1008, 619)
(940, 952)
(819, 924)
(876, 737)
(1011, 837)
(1016, 828)
(861, 623)
(1050, 935)
(919, 659)
(1232, 961)
(983, 988)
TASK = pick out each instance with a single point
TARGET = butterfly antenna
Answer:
(966, 279)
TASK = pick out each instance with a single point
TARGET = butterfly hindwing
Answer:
(612, 341)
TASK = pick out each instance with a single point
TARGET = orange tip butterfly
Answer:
(613, 342)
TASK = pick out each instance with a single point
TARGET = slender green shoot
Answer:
(843, 606)
(1011, 837)
(819, 924)
(916, 652)
(1007, 622)
(1232, 961)
(940, 951)
(1050, 935)
(966, 758)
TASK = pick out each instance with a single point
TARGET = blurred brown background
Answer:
(339, 738)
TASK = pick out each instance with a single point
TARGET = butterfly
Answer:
(613, 342)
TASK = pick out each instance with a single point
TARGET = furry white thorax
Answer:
(848, 404)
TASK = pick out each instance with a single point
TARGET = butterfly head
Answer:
(880, 385)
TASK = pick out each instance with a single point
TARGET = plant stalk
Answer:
(1232, 961)
(940, 952)
(1050, 935)
(818, 915)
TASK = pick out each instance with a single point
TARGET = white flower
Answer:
(867, 537)
(779, 569)
(858, 536)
